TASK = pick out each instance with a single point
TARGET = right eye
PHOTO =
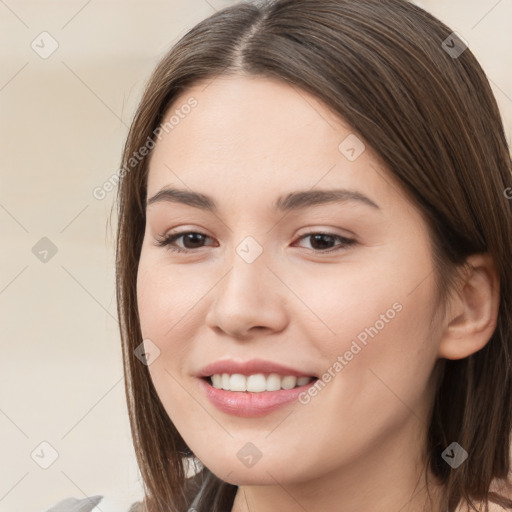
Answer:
(189, 237)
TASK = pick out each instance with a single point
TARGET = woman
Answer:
(313, 272)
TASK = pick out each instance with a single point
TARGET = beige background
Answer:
(63, 121)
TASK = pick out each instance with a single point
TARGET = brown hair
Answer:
(432, 118)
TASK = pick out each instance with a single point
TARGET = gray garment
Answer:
(193, 506)
(75, 505)
(87, 504)
(83, 505)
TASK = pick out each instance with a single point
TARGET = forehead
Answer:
(253, 135)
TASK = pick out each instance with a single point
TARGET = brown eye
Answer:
(322, 242)
(191, 240)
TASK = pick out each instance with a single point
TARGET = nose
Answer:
(248, 301)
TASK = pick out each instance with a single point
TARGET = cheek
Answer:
(387, 355)
(163, 302)
(167, 298)
(365, 303)
(381, 336)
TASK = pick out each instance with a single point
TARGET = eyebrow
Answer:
(293, 201)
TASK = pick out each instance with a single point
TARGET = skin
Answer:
(358, 444)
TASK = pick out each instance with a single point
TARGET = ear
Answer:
(473, 310)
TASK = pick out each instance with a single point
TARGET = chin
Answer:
(261, 473)
(248, 476)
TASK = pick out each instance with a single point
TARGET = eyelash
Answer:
(167, 241)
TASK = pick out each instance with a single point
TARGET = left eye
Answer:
(321, 240)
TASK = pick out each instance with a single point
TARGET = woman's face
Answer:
(338, 288)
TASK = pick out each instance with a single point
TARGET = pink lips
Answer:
(244, 403)
(248, 405)
(249, 368)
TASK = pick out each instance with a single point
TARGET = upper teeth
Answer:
(256, 383)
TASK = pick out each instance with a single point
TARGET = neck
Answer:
(385, 478)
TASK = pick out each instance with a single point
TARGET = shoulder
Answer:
(501, 489)
(76, 505)
(85, 505)
(492, 507)
(136, 507)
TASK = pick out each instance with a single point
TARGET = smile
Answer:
(250, 404)
(257, 383)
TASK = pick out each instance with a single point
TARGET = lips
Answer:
(252, 404)
(251, 367)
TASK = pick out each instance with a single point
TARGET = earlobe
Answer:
(475, 307)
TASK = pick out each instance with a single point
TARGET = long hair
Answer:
(388, 69)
